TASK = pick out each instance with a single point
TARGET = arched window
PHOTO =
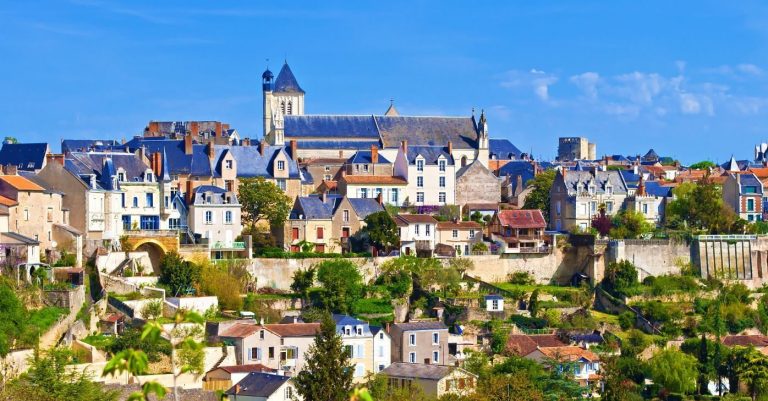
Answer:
(290, 108)
(463, 161)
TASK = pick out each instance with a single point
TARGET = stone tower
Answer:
(282, 97)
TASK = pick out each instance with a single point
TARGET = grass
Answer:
(271, 297)
(99, 341)
(372, 306)
(546, 289)
(42, 319)
(604, 317)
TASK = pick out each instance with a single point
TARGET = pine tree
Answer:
(327, 374)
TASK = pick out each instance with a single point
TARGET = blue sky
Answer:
(689, 79)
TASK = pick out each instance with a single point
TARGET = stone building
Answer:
(475, 183)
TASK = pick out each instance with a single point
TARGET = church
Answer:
(341, 136)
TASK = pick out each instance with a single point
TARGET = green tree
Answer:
(50, 379)
(700, 206)
(704, 164)
(538, 198)
(152, 310)
(516, 386)
(303, 280)
(262, 200)
(674, 370)
(10, 139)
(533, 304)
(382, 230)
(179, 275)
(327, 373)
(754, 373)
(342, 284)
(618, 385)
(620, 277)
(14, 317)
(629, 223)
(218, 281)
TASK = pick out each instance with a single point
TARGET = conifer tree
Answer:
(327, 374)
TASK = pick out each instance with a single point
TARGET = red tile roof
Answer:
(460, 225)
(240, 330)
(523, 218)
(21, 183)
(294, 329)
(415, 218)
(757, 340)
(7, 201)
(569, 353)
(374, 179)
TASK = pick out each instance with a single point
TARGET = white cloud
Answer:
(689, 104)
(749, 69)
(539, 81)
(587, 82)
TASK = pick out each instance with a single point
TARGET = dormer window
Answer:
(228, 164)
(347, 330)
(608, 189)
(365, 168)
(419, 165)
(359, 330)
(121, 176)
(442, 164)
(280, 165)
(148, 177)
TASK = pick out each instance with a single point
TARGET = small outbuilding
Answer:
(494, 303)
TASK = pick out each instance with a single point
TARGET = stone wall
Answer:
(652, 257)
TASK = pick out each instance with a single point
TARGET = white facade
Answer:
(416, 235)
(431, 184)
(215, 218)
(382, 351)
(140, 203)
(104, 213)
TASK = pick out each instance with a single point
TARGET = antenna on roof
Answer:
(267, 62)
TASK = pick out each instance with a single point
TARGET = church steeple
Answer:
(391, 110)
(283, 97)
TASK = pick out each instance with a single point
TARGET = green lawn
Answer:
(372, 306)
(604, 317)
(546, 289)
(42, 319)
(99, 341)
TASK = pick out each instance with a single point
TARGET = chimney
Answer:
(246, 142)
(156, 163)
(10, 169)
(450, 147)
(225, 127)
(404, 145)
(294, 150)
(194, 128)
(154, 127)
(188, 195)
(211, 151)
(386, 327)
(237, 389)
(262, 147)
(380, 199)
(218, 129)
(374, 154)
(55, 158)
(187, 144)
(341, 154)
(142, 154)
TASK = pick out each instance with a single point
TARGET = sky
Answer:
(687, 78)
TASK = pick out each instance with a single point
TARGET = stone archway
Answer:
(155, 251)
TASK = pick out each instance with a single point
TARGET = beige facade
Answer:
(419, 342)
(460, 235)
(276, 346)
(317, 232)
(476, 184)
(576, 197)
(434, 381)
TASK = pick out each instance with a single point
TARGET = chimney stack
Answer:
(294, 150)
(324, 196)
(188, 195)
(246, 142)
(187, 144)
(211, 151)
(218, 129)
(404, 144)
(142, 154)
(194, 128)
(374, 154)
(450, 147)
(341, 154)
(262, 147)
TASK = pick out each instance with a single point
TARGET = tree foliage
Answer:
(602, 223)
(303, 280)
(704, 164)
(620, 277)
(700, 206)
(342, 284)
(327, 374)
(754, 373)
(218, 281)
(674, 370)
(179, 275)
(381, 230)
(538, 198)
(629, 223)
(262, 200)
(14, 317)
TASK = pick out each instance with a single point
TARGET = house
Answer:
(357, 338)
(310, 224)
(475, 183)
(494, 303)
(743, 193)
(201, 131)
(24, 156)
(523, 345)
(418, 233)
(519, 231)
(382, 348)
(436, 381)
(223, 377)
(323, 169)
(584, 363)
(431, 174)
(650, 199)
(516, 175)
(349, 217)
(575, 197)
(391, 188)
(460, 235)
(419, 342)
(503, 149)
(258, 386)
(214, 215)
(112, 324)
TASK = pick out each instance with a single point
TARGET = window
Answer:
(420, 182)
(121, 176)
(150, 200)
(320, 232)
(442, 182)
(420, 165)
(327, 177)
(281, 183)
(609, 190)
(228, 217)
(645, 208)
(345, 215)
(126, 222)
(435, 356)
(750, 205)
(148, 177)
(427, 227)
(359, 370)
(363, 192)
(150, 222)
(360, 351)
(412, 357)
(256, 353)
(261, 334)
(380, 351)
(471, 233)
(208, 217)
(417, 228)
(441, 163)
(290, 108)
(327, 168)
(359, 330)
(122, 200)
(435, 338)
(441, 197)
(271, 352)
(347, 331)
(495, 304)
(365, 168)
(49, 214)
(228, 164)
(349, 350)
(608, 207)
(280, 165)
(289, 393)
(174, 224)
(420, 197)
(135, 201)
(393, 195)
(412, 340)
(455, 233)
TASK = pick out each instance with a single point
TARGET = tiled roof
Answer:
(25, 156)
(218, 196)
(250, 162)
(86, 163)
(312, 208)
(503, 149)
(459, 225)
(323, 160)
(568, 353)
(364, 156)
(518, 168)
(760, 172)
(416, 218)
(520, 344)
(757, 340)
(523, 218)
(7, 201)
(655, 188)
(179, 162)
(240, 330)
(431, 154)
(419, 371)
(295, 329)
(374, 179)
(82, 145)
(337, 144)
(431, 131)
(286, 81)
(327, 126)
(15, 238)
(257, 384)
(21, 183)
(600, 180)
(414, 326)
(651, 155)
(256, 367)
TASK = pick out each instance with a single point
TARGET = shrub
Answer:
(521, 278)
(626, 320)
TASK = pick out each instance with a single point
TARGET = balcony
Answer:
(233, 245)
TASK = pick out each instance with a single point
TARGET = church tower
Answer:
(282, 97)
(483, 152)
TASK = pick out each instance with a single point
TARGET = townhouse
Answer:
(365, 348)
(418, 234)
(430, 172)
(419, 342)
(519, 231)
(31, 157)
(382, 348)
(435, 381)
(576, 195)
(743, 193)
(214, 215)
(650, 199)
(459, 235)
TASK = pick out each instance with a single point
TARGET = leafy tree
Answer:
(302, 282)
(152, 310)
(219, 282)
(618, 386)
(630, 223)
(327, 374)
(10, 139)
(179, 275)
(620, 277)
(342, 284)
(538, 198)
(381, 230)
(700, 206)
(674, 370)
(132, 339)
(754, 373)
(602, 223)
(516, 386)
(534, 303)
(50, 379)
(704, 164)
(262, 200)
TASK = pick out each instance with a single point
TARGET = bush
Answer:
(152, 310)
(372, 306)
(521, 278)
(529, 323)
(218, 282)
(131, 339)
(626, 320)
(66, 259)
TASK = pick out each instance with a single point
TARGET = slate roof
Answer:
(286, 81)
(86, 163)
(83, 145)
(750, 179)
(599, 178)
(432, 131)
(178, 162)
(419, 371)
(256, 367)
(364, 156)
(337, 144)
(328, 126)
(630, 178)
(654, 188)
(518, 168)
(250, 162)
(344, 320)
(218, 196)
(257, 384)
(25, 156)
(312, 208)
(522, 218)
(431, 154)
(414, 326)
(15, 238)
(494, 296)
(651, 155)
(365, 206)
(374, 179)
(503, 149)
